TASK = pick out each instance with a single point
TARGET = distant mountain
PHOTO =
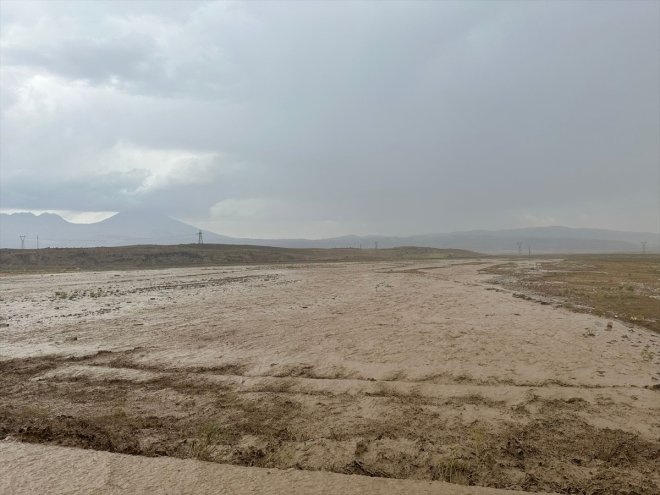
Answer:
(132, 228)
(121, 229)
(538, 239)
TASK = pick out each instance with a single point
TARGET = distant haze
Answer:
(319, 119)
(49, 230)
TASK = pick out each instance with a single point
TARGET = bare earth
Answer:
(29, 468)
(419, 371)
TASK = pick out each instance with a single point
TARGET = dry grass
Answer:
(130, 257)
(626, 287)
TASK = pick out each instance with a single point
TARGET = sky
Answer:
(317, 119)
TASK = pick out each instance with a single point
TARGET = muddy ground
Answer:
(621, 286)
(400, 370)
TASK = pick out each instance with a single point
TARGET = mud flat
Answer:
(29, 468)
(408, 370)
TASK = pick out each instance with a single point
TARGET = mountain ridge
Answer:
(132, 228)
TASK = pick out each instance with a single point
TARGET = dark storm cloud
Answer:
(318, 119)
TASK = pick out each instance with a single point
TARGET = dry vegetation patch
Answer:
(148, 256)
(625, 287)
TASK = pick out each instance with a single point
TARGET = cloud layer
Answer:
(317, 119)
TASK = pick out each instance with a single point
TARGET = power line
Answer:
(125, 241)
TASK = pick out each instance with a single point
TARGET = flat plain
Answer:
(415, 370)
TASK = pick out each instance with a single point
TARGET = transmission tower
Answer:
(643, 247)
(375, 244)
(520, 249)
(37, 242)
(529, 251)
(200, 239)
(22, 241)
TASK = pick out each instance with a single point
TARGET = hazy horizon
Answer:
(316, 120)
(78, 218)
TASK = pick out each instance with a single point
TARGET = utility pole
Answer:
(529, 251)
(200, 239)
(643, 247)
(37, 242)
(22, 241)
(520, 249)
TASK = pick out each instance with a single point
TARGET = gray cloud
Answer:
(317, 119)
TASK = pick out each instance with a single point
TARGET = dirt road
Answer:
(398, 370)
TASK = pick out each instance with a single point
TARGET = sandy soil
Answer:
(399, 370)
(38, 469)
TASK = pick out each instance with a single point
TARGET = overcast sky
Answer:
(316, 119)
